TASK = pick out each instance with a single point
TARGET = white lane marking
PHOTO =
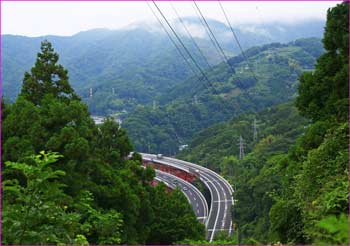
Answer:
(209, 172)
(208, 182)
(219, 200)
(217, 216)
(217, 230)
(225, 183)
(183, 183)
(223, 201)
(211, 195)
(223, 221)
(230, 230)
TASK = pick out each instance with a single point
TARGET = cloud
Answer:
(255, 30)
(70, 17)
(196, 30)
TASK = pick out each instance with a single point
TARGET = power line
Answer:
(189, 54)
(241, 147)
(189, 34)
(207, 32)
(237, 41)
(255, 131)
(216, 41)
(210, 85)
(200, 79)
(173, 41)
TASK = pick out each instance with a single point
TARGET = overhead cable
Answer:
(237, 41)
(191, 37)
(216, 41)
(187, 51)
(173, 41)
(207, 32)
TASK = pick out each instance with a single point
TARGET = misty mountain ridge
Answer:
(140, 54)
(248, 33)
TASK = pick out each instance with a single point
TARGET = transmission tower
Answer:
(255, 131)
(90, 92)
(241, 147)
(195, 99)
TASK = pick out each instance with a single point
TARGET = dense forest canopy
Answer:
(292, 185)
(139, 56)
(281, 140)
(66, 180)
(193, 105)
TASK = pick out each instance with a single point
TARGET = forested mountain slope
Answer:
(194, 104)
(123, 59)
(292, 184)
(282, 123)
(133, 65)
(69, 181)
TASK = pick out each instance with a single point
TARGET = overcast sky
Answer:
(67, 18)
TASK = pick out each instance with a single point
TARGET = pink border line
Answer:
(173, 0)
(141, 1)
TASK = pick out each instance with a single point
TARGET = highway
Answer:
(194, 196)
(219, 218)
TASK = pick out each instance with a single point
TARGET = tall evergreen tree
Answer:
(323, 94)
(103, 198)
(47, 77)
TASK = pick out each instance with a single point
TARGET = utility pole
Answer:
(241, 148)
(195, 100)
(154, 104)
(255, 131)
(90, 92)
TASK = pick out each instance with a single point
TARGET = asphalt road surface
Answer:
(194, 196)
(219, 218)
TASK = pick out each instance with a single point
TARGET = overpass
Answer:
(219, 217)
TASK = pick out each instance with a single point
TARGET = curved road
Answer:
(194, 196)
(219, 218)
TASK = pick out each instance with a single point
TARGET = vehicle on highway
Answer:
(159, 156)
(174, 181)
(185, 188)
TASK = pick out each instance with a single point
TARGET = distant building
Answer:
(184, 146)
(100, 119)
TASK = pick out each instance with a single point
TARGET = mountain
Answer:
(254, 34)
(124, 57)
(209, 146)
(137, 63)
(197, 104)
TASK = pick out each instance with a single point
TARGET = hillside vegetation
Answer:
(132, 66)
(292, 184)
(68, 181)
(194, 105)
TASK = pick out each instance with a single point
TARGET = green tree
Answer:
(323, 94)
(317, 192)
(36, 211)
(104, 196)
(46, 77)
(175, 220)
